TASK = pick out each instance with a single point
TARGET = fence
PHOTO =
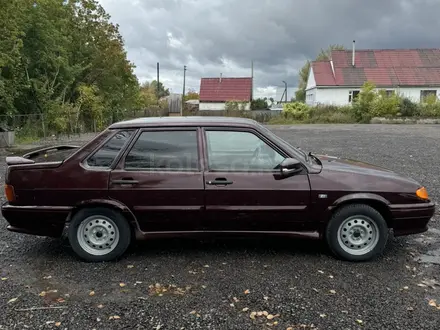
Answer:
(262, 116)
(37, 126)
(33, 127)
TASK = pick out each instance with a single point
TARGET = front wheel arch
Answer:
(359, 217)
(379, 205)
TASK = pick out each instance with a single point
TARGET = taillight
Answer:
(9, 193)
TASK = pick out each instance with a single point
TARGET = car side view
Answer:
(168, 176)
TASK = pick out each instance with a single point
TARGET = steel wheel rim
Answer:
(98, 235)
(358, 235)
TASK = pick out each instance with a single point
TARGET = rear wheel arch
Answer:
(111, 204)
(99, 233)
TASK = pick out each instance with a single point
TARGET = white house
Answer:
(412, 73)
(215, 92)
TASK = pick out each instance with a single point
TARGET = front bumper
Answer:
(408, 219)
(36, 220)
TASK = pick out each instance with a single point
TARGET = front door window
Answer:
(240, 151)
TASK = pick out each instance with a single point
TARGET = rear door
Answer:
(243, 192)
(160, 179)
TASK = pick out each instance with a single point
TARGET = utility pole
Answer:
(158, 90)
(252, 76)
(183, 94)
(285, 91)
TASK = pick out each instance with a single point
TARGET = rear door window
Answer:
(164, 150)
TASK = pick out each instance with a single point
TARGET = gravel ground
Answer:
(297, 281)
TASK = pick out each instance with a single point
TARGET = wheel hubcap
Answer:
(98, 235)
(358, 235)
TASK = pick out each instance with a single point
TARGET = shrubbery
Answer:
(295, 110)
(368, 104)
(301, 112)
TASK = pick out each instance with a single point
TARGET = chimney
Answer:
(353, 54)
(220, 77)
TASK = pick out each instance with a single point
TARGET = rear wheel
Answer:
(357, 232)
(99, 234)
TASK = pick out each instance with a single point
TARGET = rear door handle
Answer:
(125, 181)
(219, 182)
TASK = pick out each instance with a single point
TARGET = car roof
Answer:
(184, 121)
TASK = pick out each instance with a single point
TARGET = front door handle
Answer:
(125, 181)
(219, 182)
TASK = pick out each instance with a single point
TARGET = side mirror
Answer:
(290, 166)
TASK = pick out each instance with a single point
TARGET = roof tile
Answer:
(323, 73)
(225, 89)
(387, 67)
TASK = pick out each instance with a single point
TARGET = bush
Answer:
(295, 110)
(384, 105)
(430, 110)
(330, 114)
(259, 104)
(408, 108)
(363, 103)
(233, 106)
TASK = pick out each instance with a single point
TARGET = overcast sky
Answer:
(224, 36)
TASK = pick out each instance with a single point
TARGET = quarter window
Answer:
(164, 150)
(240, 151)
(105, 156)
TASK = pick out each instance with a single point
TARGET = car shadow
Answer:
(59, 249)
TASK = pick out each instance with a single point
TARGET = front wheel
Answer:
(357, 232)
(99, 234)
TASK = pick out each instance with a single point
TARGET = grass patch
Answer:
(26, 139)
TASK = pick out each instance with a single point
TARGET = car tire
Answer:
(99, 234)
(357, 232)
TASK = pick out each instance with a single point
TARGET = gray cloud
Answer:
(213, 36)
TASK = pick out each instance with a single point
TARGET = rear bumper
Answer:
(36, 220)
(411, 219)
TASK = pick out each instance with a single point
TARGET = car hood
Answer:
(352, 166)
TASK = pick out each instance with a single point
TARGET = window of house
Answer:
(390, 92)
(427, 93)
(240, 151)
(164, 150)
(352, 95)
(106, 155)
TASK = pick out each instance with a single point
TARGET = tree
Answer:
(64, 60)
(259, 104)
(300, 94)
(148, 95)
(162, 92)
(192, 95)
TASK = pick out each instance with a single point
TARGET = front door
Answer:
(243, 192)
(160, 179)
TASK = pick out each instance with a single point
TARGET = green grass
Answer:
(26, 139)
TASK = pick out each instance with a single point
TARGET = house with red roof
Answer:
(215, 92)
(412, 73)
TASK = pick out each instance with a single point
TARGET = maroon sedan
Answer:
(156, 177)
